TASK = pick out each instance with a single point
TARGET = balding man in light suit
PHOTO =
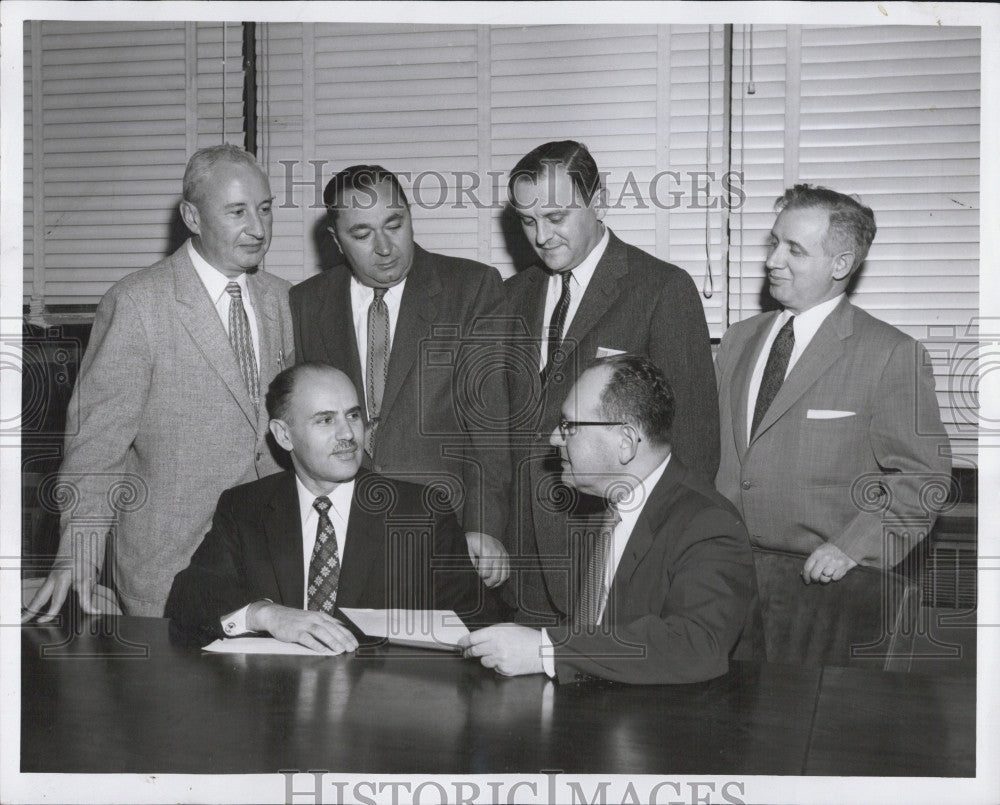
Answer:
(167, 412)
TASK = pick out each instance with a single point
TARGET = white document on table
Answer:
(261, 645)
(422, 628)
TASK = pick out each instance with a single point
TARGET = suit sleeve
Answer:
(455, 584)
(212, 584)
(487, 476)
(105, 415)
(910, 445)
(680, 346)
(690, 638)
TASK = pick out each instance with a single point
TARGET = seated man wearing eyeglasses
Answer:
(663, 580)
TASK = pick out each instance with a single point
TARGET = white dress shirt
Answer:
(361, 299)
(578, 283)
(629, 509)
(805, 326)
(235, 623)
(215, 283)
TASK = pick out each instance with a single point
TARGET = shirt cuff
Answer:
(235, 623)
(548, 654)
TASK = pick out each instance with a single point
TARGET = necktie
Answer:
(593, 592)
(239, 337)
(558, 318)
(774, 371)
(378, 360)
(324, 565)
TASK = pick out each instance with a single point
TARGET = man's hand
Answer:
(315, 630)
(508, 648)
(65, 574)
(489, 558)
(827, 563)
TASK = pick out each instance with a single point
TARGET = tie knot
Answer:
(233, 289)
(379, 293)
(788, 328)
(322, 504)
(566, 277)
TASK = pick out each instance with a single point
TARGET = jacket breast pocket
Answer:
(831, 452)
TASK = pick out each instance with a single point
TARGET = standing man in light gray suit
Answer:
(167, 409)
(831, 432)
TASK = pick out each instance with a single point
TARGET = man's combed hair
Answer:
(280, 390)
(204, 161)
(361, 179)
(852, 224)
(573, 156)
(638, 393)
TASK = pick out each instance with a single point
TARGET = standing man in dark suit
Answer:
(398, 320)
(285, 552)
(666, 580)
(166, 412)
(591, 296)
(832, 444)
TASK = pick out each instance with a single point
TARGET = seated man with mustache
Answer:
(286, 552)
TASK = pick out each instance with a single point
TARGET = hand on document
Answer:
(508, 648)
(315, 630)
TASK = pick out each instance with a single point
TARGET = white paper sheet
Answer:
(435, 628)
(261, 645)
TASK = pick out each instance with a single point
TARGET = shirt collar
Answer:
(340, 498)
(215, 281)
(808, 321)
(631, 505)
(583, 272)
(364, 292)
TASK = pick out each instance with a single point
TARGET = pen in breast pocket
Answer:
(281, 360)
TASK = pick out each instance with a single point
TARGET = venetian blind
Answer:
(122, 105)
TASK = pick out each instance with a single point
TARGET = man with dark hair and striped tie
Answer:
(166, 412)
(285, 553)
(388, 316)
(589, 295)
(663, 579)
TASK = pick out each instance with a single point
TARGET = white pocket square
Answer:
(607, 352)
(823, 413)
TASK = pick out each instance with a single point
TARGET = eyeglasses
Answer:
(568, 428)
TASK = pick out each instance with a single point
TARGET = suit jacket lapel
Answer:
(272, 359)
(417, 309)
(824, 349)
(604, 287)
(200, 319)
(740, 384)
(337, 324)
(653, 515)
(364, 547)
(283, 532)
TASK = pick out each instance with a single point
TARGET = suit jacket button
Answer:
(746, 484)
(258, 457)
(378, 468)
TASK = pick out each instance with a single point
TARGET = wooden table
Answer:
(121, 695)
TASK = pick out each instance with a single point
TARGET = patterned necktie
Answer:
(324, 565)
(239, 337)
(378, 360)
(594, 592)
(558, 318)
(774, 372)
